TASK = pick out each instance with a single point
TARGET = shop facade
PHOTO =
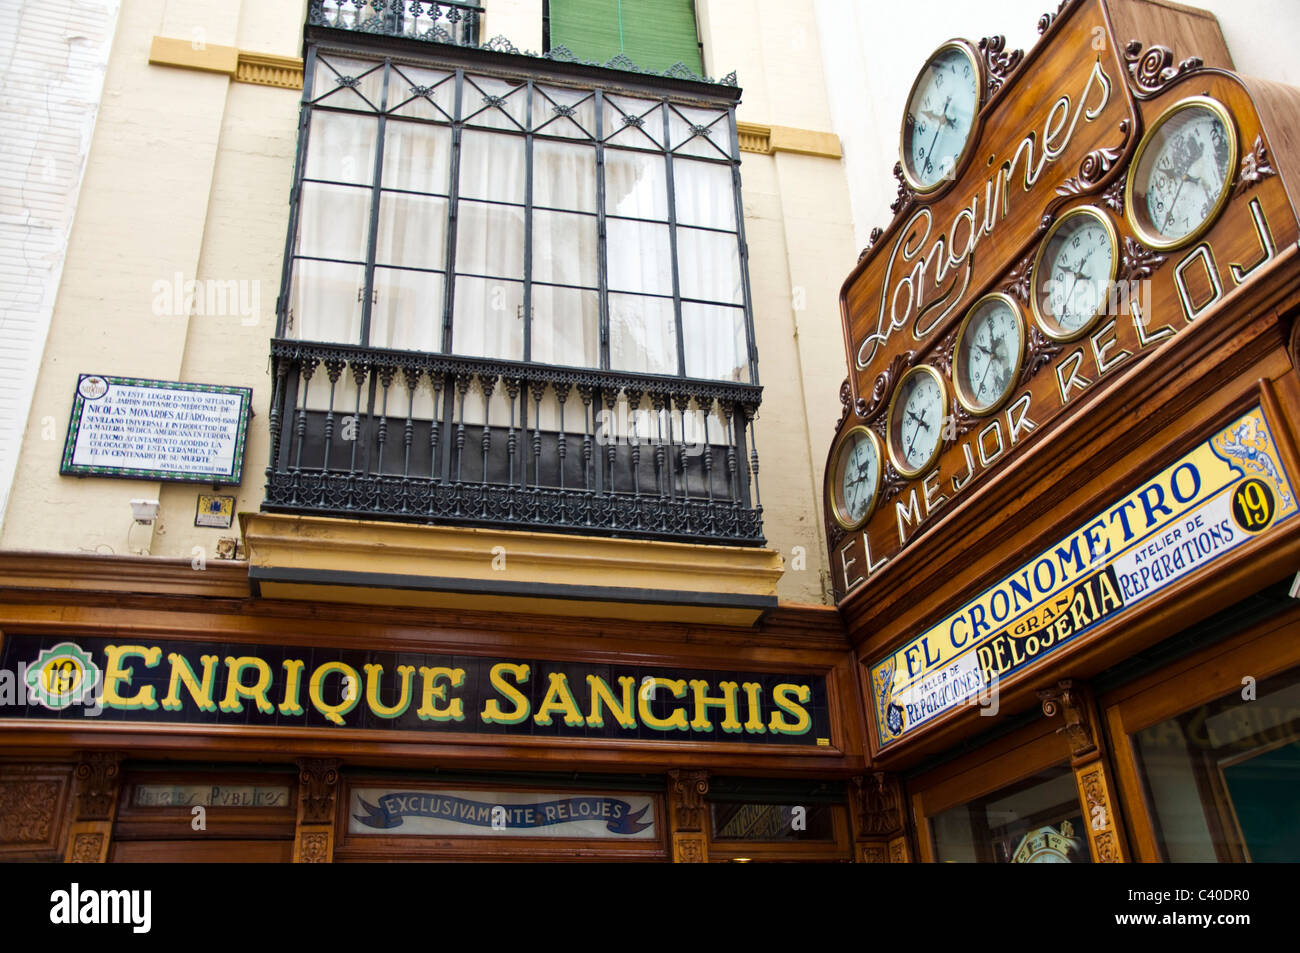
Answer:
(1059, 518)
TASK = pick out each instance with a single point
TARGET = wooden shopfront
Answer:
(166, 714)
(1061, 500)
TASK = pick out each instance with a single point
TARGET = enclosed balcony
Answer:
(515, 290)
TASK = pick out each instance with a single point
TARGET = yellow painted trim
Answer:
(183, 54)
(262, 69)
(766, 140)
(651, 569)
(267, 69)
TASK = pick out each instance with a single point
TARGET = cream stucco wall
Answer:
(189, 174)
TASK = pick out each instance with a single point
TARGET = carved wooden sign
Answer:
(1109, 195)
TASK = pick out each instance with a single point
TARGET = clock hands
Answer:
(929, 153)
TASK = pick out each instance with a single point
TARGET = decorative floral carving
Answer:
(874, 854)
(1069, 699)
(1095, 165)
(1114, 196)
(1254, 167)
(884, 384)
(688, 849)
(877, 800)
(959, 425)
(891, 481)
(871, 241)
(1039, 351)
(998, 62)
(1097, 803)
(27, 810)
(905, 196)
(314, 848)
(634, 121)
(490, 100)
(97, 785)
(318, 780)
(87, 848)
(1017, 285)
(1047, 19)
(1153, 70)
(351, 82)
(846, 400)
(687, 788)
(1138, 261)
(898, 851)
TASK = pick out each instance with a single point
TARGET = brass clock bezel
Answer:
(1040, 318)
(1135, 211)
(837, 479)
(892, 420)
(958, 390)
(981, 83)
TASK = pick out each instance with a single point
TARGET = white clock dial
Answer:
(858, 477)
(989, 350)
(940, 115)
(917, 420)
(1073, 274)
(1182, 174)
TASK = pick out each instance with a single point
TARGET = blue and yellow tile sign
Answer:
(1224, 492)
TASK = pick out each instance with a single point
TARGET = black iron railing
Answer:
(441, 22)
(419, 437)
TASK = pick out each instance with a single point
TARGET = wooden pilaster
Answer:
(98, 782)
(687, 815)
(318, 784)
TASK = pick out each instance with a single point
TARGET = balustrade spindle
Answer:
(435, 428)
(683, 403)
(612, 435)
(538, 390)
(487, 383)
(584, 391)
(386, 373)
(512, 391)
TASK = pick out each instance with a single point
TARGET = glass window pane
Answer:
(333, 221)
(417, 157)
(642, 334)
(709, 265)
(492, 166)
(564, 112)
(341, 147)
(702, 132)
(1036, 821)
(704, 194)
(1222, 779)
(636, 185)
(424, 93)
(713, 339)
(490, 240)
(735, 820)
(412, 231)
(566, 326)
(564, 176)
(344, 83)
(325, 302)
(640, 258)
(407, 310)
(488, 319)
(494, 103)
(638, 123)
(564, 248)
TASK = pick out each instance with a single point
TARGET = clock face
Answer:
(940, 116)
(916, 420)
(857, 477)
(1180, 178)
(1073, 273)
(990, 345)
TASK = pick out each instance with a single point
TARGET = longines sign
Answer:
(1061, 217)
(276, 686)
(1228, 490)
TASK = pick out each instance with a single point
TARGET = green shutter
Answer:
(654, 34)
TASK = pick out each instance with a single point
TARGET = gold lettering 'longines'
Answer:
(948, 261)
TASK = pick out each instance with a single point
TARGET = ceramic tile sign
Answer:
(157, 430)
(1224, 492)
(444, 812)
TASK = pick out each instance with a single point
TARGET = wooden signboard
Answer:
(1108, 193)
